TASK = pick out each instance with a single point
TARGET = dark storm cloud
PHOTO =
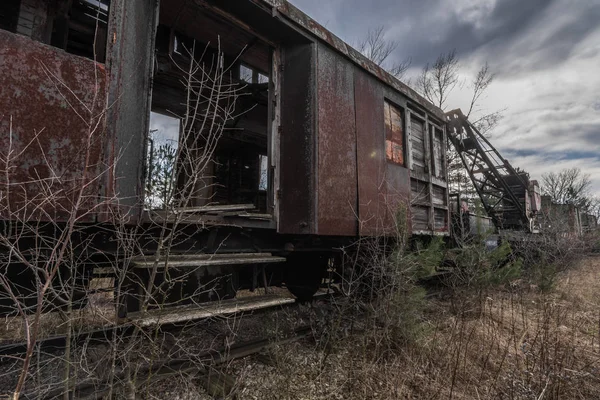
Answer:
(426, 28)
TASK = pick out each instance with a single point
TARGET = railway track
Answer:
(168, 323)
(199, 365)
(165, 320)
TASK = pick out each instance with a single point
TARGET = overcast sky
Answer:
(545, 53)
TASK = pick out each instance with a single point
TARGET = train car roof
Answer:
(282, 9)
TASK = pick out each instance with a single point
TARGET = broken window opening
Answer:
(262, 78)
(246, 74)
(394, 133)
(79, 26)
(87, 27)
(437, 141)
(161, 161)
(251, 75)
(264, 172)
(237, 171)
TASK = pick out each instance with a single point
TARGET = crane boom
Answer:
(509, 197)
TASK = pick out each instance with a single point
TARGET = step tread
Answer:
(198, 260)
(208, 310)
(214, 208)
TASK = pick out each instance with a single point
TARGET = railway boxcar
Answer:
(325, 145)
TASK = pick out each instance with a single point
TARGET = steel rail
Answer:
(9, 351)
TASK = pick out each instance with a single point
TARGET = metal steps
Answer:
(202, 260)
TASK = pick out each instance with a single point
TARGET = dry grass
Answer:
(518, 344)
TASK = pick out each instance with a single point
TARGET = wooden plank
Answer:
(252, 216)
(208, 310)
(216, 208)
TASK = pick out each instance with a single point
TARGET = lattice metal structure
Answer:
(504, 192)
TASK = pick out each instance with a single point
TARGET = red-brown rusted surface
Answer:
(370, 137)
(394, 133)
(55, 101)
(336, 193)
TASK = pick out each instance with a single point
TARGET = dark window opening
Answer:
(82, 30)
(79, 26)
(9, 14)
(394, 134)
(417, 144)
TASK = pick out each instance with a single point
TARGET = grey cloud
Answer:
(424, 29)
(548, 82)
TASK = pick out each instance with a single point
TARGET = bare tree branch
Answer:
(437, 81)
(378, 49)
(482, 81)
(569, 186)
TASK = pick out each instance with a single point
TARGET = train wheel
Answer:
(304, 273)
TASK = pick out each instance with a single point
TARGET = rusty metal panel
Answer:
(397, 201)
(296, 190)
(337, 177)
(370, 137)
(132, 31)
(51, 119)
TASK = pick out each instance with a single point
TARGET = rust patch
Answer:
(372, 188)
(337, 177)
(51, 127)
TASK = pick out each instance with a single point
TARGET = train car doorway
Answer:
(203, 167)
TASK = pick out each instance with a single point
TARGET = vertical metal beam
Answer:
(132, 32)
(274, 131)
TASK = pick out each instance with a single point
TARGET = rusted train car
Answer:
(334, 148)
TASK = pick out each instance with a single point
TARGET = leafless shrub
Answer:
(56, 258)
